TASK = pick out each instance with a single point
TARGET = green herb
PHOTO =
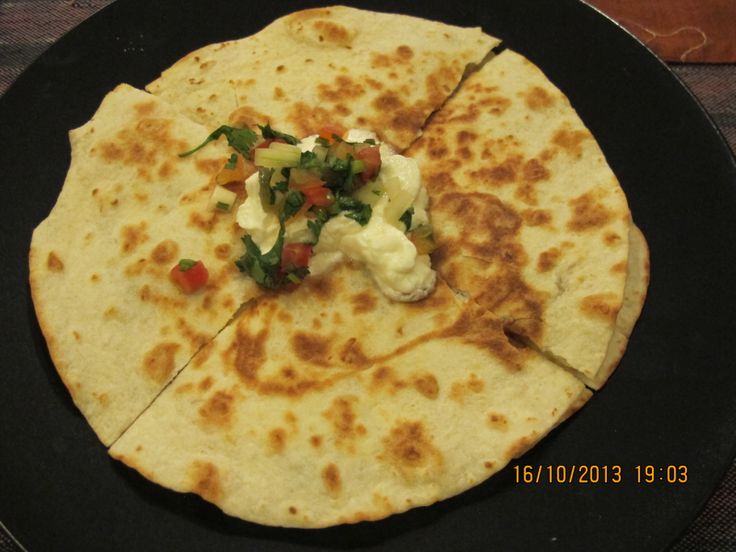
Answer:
(232, 162)
(281, 186)
(240, 139)
(186, 264)
(377, 193)
(309, 160)
(370, 141)
(349, 184)
(222, 206)
(362, 215)
(322, 142)
(357, 210)
(293, 201)
(264, 176)
(263, 268)
(406, 217)
(268, 197)
(316, 224)
(270, 134)
(348, 203)
(338, 175)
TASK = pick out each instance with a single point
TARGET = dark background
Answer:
(670, 402)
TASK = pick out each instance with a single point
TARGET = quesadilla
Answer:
(529, 219)
(117, 328)
(327, 65)
(131, 207)
(332, 403)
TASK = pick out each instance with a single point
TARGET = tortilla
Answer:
(116, 327)
(328, 65)
(635, 292)
(332, 404)
(529, 219)
(143, 207)
(335, 405)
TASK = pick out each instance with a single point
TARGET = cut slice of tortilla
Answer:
(635, 292)
(361, 69)
(116, 327)
(334, 405)
(530, 220)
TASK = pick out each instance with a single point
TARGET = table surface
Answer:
(28, 27)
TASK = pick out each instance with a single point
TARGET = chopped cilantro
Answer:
(263, 267)
(357, 210)
(362, 215)
(406, 217)
(338, 175)
(232, 162)
(264, 176)
(186, 264)
(309, 160)
(370, 141)
(268, 197)
(293, 201)
(347, 203)
(222, 206)
(316, 224)
(281, 186)
(240, 139)
(270, 134)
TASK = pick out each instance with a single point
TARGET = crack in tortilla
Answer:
(469, 70)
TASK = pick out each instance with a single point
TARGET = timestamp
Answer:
(671, 474)
(587, 474)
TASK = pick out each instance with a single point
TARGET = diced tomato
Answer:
(295, 255)
(318, 195)
(371, 158)
(327, 131)
(189, 277)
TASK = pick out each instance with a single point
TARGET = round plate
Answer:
(669, 403)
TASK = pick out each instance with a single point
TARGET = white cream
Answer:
(381, 245)
(263, 226)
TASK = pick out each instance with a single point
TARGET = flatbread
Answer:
(116, 327)
(332, 404)
(141, 207)
(361, 69)
(530, 220)
(335, 405)
(635, 293)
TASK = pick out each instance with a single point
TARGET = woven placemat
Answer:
(692, 31)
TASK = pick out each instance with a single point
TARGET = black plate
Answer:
(671, 402)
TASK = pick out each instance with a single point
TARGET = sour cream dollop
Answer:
(381, 246)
